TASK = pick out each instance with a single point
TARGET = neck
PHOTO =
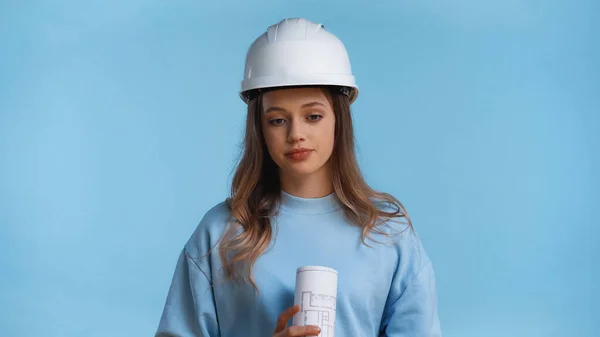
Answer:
(314, 185)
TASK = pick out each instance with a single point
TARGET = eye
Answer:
(276, 121)
(314, 118)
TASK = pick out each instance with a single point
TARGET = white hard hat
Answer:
(297, 52)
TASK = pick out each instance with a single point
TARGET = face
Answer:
(298, 125)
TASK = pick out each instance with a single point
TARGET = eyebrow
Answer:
(306, 105)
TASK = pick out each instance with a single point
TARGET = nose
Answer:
(296, 132)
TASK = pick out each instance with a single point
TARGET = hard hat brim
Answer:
(252, 85)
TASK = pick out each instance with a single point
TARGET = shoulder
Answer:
(402, 238)
(216, 217)
(209, 230)
(393, 219)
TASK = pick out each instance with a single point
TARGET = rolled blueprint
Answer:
(316, 292)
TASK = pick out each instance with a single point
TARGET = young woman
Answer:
(297, 199)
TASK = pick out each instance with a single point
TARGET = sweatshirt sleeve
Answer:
(189, 310)
(413, 310)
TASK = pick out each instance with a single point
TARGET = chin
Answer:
(302, 169)
(299, 170)
(301, 173)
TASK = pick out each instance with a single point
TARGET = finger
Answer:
(307, 330)
(285, 316)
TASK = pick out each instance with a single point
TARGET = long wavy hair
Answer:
(255, 191)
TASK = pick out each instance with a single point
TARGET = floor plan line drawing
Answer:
(318, 309)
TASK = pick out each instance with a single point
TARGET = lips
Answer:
(297, 151)
(299, 154)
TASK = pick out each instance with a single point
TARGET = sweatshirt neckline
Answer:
(301, 205)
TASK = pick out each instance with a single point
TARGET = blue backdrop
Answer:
(120, 125)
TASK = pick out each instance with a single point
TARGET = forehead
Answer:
(293, 98)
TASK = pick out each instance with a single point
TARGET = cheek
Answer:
(328, 136)
(272, 140)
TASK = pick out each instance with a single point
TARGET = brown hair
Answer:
(255, 191)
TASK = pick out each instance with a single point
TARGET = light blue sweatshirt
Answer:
(387, 289)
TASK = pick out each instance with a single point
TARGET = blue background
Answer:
(120, 125)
